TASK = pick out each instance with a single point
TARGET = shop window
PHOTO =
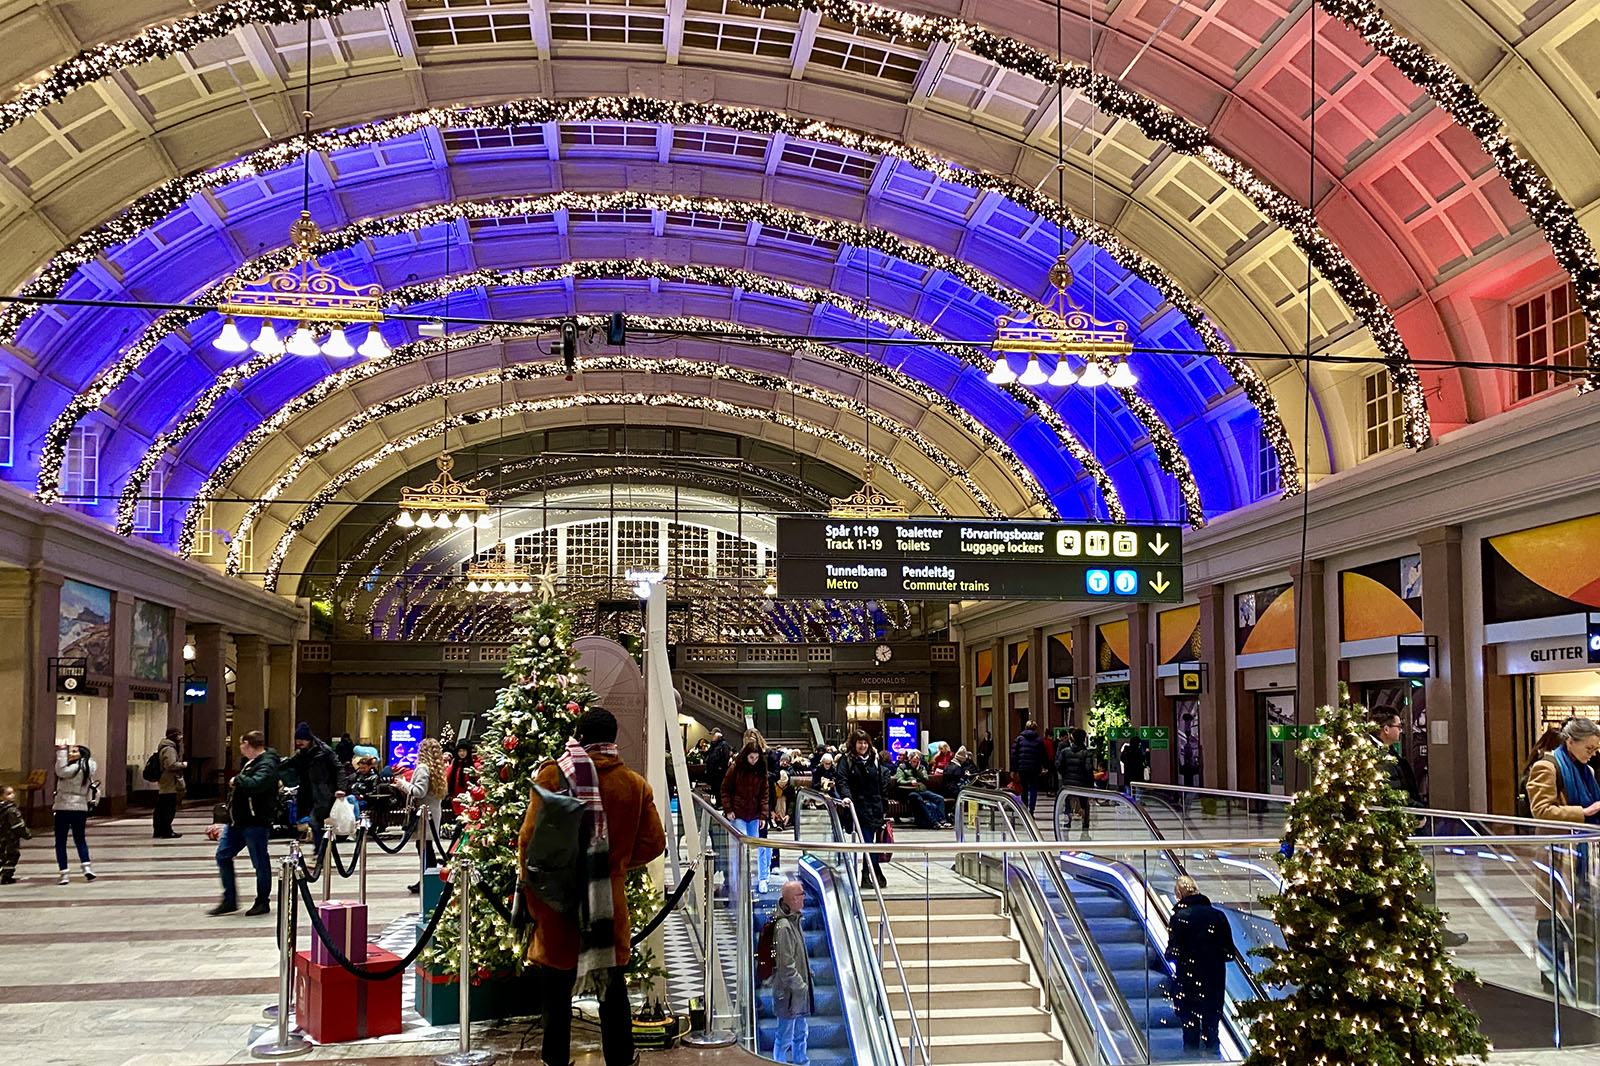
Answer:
(1547, 331)
(147, 517)
(8, 422)
(874, 706)
(1259, 456)
(1384, 415)
(80, 471)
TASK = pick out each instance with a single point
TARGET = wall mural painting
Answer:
(1542, 572)
(1264, 620)
(1178, 635)
(1111, 647)
(85, 629)
(151, 644)
(1381, 599)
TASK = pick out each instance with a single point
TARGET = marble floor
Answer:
(131, 971)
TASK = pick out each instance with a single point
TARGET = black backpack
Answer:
(152, 766)
(766, 951)
(553, 862)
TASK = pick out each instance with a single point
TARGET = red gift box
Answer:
(333, 1006)
(347, 928)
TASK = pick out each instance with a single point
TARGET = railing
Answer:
(1077, 981)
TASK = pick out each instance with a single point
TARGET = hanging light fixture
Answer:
(303, 342)
(1034, 374)
(499, 573)
(1093, 374)
(1063, 375)
(1002, 373)
(1122, 376)
(337, 346)
(267, 342)
(374, 346)
(230, 339)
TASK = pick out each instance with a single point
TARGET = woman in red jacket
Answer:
(746, 799)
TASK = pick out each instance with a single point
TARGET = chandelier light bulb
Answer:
(267, 343)
(337, 346)
(1033, 374)
(463, 521)
(472, 586)
(230, 339)
(1063, 375)
(405, 521)
(483, 520)
(1002, 373)
(303, 342)
(526, 586)
(374, 347)
(1123, 377)
(1092, 375)
(426, 521)
(500, 586)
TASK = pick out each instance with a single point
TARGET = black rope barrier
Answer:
(375, 975)
(438, 845)
(668, 905)
(405, 838)
(322, 862)
(355, 854)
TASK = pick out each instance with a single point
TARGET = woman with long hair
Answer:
(747, 801)
(76, 771)
(430, 780)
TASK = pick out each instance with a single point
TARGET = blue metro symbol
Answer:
(1126, 582)
(1098, 582)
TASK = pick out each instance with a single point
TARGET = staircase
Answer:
(976, 999)
(713, 707)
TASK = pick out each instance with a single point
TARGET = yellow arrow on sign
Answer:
(1160, 584)
(1160, 545)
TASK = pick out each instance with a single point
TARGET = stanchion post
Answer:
(322, 861)
(422, 843)
(363, 830)
(464, 1055)
(708, 1036)
(287, 1044)
(271, 1012)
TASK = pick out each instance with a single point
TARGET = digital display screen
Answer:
(401, 737)
(902, 735)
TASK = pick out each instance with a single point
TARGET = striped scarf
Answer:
(597, 938)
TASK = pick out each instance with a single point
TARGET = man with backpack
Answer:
(781, 955)
(168, 765)
(581, 932)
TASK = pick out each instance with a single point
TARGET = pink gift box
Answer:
(347, 928)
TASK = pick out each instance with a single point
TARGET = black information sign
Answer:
(71, 675)
(954, 559)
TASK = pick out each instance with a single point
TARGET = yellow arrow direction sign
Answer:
(1160, 583)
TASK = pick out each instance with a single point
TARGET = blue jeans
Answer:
(234, 840)
(926, 807)
(790, 1043)
(751, 827)
(73, 822)
(1030, 790)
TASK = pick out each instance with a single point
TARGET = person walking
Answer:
(1199, 944)
(171, 786)
(252, 798)
(718, 756)
(13, 831)
(1028, 759)
(793, 997)
(1075, 768)
(746, 800)
(859, 781)
(430, 780)
(317, 769)
(591, 946)
(985, 752)
(77, 789)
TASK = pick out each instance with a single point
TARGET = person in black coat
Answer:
(1199, 945)
(1028, 758)
(1075, 768)
(860, 780)
(1386, 730)
(985, 752)
(718, 756)
(1135, 756)
(317, 770)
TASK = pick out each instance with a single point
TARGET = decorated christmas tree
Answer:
(532, 718)
(1370, 981)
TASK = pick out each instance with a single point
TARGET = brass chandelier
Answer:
(1060, 329)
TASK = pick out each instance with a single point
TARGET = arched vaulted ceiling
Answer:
(835, 177)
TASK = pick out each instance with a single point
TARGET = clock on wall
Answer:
(883, 653)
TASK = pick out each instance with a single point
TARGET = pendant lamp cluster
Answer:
(1060, 330)
(498, 574)
(444, 503)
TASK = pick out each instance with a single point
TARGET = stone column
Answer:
(250, 683)
(16, 668)
(208, 745)
(1316, 682)
(177, 637)
(1452, 771)
(1039, 681)
(1082, 670)
(282, 685)
(1144, 692)
(114, 760)
(1217, 770)
(1002, 706)
(45, 633)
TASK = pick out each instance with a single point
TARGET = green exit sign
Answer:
(774, 701)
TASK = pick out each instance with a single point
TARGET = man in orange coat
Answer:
(630, 832)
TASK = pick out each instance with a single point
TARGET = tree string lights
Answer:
(1547, 208)
(681, 368)
(200, 407)
(328, 493)
(246, 447)
(155, 206)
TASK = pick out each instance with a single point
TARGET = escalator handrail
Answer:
(1153, 898)
(884, 932)
(1009, 807)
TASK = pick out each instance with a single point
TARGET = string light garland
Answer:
(328, 493)
(1547, 208)
(152, 208)
(683, 368)
(242, 451)
(160, 42)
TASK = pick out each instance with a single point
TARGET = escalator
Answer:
(828, 1034)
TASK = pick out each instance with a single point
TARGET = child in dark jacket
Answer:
(13, 831)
